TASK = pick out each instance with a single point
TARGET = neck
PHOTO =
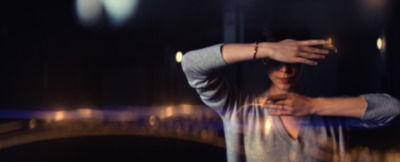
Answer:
(272, 90)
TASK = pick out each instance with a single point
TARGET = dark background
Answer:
(50, 60)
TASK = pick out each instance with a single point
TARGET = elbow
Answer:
(186, 62)
(381, 108)
(392, 103)
(395, 104)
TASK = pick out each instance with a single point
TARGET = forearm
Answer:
(238, 52)
(288, 51)
(347, 107)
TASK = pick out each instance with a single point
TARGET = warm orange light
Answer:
(178, 56)
(59, 115)
(268, 124)
(187, 109)
(329, 45)
(152, 120)
(379, 43)
(85, 113)
(168, 111)
(32, 124)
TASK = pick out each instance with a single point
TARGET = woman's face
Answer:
(284, 76)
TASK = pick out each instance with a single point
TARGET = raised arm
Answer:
(289, 51)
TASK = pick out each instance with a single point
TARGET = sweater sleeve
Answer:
(381, 109)
(200, 67)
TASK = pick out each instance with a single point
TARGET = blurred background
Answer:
(113, 54)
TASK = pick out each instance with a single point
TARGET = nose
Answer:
(286, 68)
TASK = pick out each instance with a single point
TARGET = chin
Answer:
(285, 87)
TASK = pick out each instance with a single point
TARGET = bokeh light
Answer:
(85, 113)
(88, 11)
(268, 124)
(187, 109)
(152, 120)
(379, 43)
(169, 111)
(178, 56)
(32, 124)
(59, 115)
(119, 11)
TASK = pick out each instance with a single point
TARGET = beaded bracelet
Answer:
(255, 51)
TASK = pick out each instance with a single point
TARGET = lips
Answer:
(284, 80)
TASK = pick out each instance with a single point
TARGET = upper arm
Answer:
(381, 109)
(200, 67)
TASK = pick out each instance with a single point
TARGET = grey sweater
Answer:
(252, 135)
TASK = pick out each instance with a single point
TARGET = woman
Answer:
(285, 126)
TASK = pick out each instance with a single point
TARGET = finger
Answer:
(278, 107)
(314, 50)
(311, 42)
(280, 113)
(275, 102)
(305, 61)
(280, 102)
(273, 106)
(311, 55)
(277, 97)
(274, 113)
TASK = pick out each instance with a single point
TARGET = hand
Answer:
(290, 104)
(292, 51)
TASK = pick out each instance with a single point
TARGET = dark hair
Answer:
(286, 27)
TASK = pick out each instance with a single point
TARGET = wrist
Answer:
(316, 105)
(265, 50)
